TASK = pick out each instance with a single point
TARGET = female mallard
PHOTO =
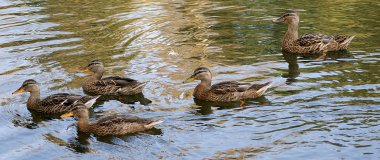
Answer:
(309, 43)
(110, 125)
(54, 104)
(224, 91)
(113, 86)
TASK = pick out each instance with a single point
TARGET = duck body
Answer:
(316, 43)
(120, 125)
(110, 86)
(309, 43)
(228, 91)
(59, 103)
(113, 86)
(111, 125)
(53, 104)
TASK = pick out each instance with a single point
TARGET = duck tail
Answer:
(347, 41)
(139, 87)
(91, 102)
(263, 89)
(151, 125)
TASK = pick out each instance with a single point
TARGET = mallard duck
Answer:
(110, 125)
(53, 104)
(224, 91)
(309, 43)
(113, 86)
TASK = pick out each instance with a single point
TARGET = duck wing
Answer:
(229, 86)
(117, 81)
(121, 119)
(315, 39)
(58, 99)
(341, 39)
(64, 99)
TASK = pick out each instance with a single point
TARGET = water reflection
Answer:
(206, 107)
(131, 99)
(31, 121)
(330, 109)
(80, 143)
(293, 66)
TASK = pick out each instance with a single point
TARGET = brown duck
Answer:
(309, 43)
(112, 86)
(110, 125)
(53, 104)
(224, 91)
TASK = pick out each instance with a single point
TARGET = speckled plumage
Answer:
(225, 91)
(113, 86)
(113, 124)
(309, 43)
(53, 104)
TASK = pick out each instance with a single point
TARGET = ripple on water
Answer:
(319, 107)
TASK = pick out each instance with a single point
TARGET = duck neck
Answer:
(98, 75)
(95, 77)
(83, 124)
(33, 100)
(206, 83)
(292, 33)
(202, 87)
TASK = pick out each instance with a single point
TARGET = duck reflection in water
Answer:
(206, 106)
(130, 99)
(31, 121)
(292, 60)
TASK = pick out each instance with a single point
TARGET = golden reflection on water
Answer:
(163, 42)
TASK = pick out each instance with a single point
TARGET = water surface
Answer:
(318, 108)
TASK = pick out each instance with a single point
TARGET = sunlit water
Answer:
(318, 108)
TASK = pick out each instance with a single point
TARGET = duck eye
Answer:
(198, 72)
(26, 84)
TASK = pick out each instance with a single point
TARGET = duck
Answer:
(110, 86)
(309, 43)
(53, 104)
(227, 91)
(112, 125)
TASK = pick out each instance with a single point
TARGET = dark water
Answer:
(319, 108)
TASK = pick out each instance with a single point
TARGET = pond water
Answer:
(318, 108)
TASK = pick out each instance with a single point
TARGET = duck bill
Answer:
(277, 20)
(70, 114)
(20, 90)
(85, 69)
(190, 79)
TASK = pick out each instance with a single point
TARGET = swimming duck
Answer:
(53, 104)
(309, 43)
(224, 91)
(112, 86)
(110, 125)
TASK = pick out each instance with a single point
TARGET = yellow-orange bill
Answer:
(85, 69)
(20, 90)
(70, 114)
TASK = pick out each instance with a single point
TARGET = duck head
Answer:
(290, 17)
(201, 73)
(29, 85)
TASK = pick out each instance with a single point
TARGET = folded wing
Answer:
(229, 86)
